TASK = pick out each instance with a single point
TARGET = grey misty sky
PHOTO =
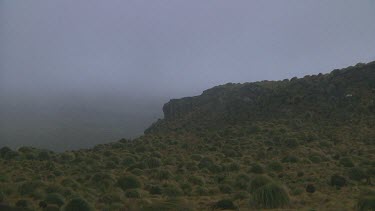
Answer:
(171, 49)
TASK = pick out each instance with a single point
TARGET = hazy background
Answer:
(75, 73)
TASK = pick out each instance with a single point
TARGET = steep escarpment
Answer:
(339, 96)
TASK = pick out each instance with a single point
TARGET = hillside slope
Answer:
(299, 144)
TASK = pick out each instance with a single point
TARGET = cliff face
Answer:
(178, 108)
(338, 95)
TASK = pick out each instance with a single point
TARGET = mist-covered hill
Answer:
(298, 144)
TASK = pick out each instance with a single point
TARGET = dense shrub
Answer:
(290, 159)
(366, 203)
(78, 204)
(51, 208)
(310, 188)
(315, 158)
(346, 162)
(225, 188)
(241, 195)
(2, 197)
(291, 142)
(161, 174)
(241, 181)
(155, 190)
(338, 181)
(153, 162)
(256, 169)
(55, 198)
(356, 174)
(170, 204)
(259, 181)
(172, 190)
(196, 157)
(196, 180)
(4, 151)
(226, 204)
(128, 161)
(132, 193)
(28, 188)
(129, 182)
(271, 195)
(24, 203)
(44, 155)
(275, 166)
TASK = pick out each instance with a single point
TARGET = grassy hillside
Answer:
(299, 144)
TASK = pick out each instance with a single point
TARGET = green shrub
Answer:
(346, 162)
(356, 174)
(241, 195)
(11, 155)
(196, 180)
(110, 198)
(171, 204)
(2, 197)
(55, 198)
(128, 161)
(225, 188)
(78, 204)
(129, 182)
(132, 193)
(291, 142)
(196, 157)
(43, 204)
(153, 162)
(51, 208)
(225, 204)
(256, 169)
(271, 195)
(44, 155)
(4, 150)
(28, 188)
(338, 181)
(315, 159)
(201, 191)
(290, 159)
(171, 190)
(366, 203)
(259, 181)
(241, 181)
(275, 166)
(155, 190)
(24, 203)
(161, 174)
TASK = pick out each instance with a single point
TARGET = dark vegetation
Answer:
(299, 144)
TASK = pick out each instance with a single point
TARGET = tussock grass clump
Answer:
(55, 198)
(356, 174)
(275, 166)
(78, 204)
(257, 169)
(259, 181)
(172, 190)
(366, 203)
(338, 181)
(225, 204)
(271, 195)
(170, 205)
(346, 162)
(132, 193)
(153, 162)
(129, 182)
(24, 203)
(290, 159)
